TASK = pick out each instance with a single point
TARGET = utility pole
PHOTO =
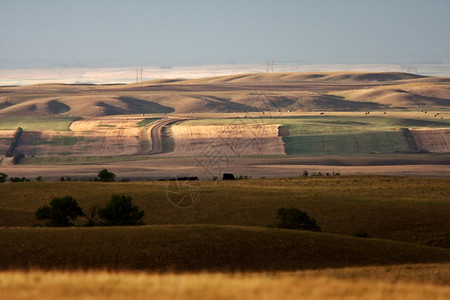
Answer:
(408, 69)
(269, 66)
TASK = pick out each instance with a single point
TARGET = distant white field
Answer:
(128, 74)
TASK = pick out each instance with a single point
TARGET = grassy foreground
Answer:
(397, 208)
(299, 285)
(200, 248)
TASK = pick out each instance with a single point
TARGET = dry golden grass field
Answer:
(207, 256)
(384, 236)
(396, 282)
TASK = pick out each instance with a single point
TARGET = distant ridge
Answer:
(311, 91)
(310, 76)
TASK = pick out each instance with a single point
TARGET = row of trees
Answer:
(119, 211)
(103, 176)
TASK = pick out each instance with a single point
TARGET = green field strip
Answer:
(34, 124)
(146, 121)
(305, 122)
(372, 142)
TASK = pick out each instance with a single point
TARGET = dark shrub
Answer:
(19, 179)
(120, 211)
(59, 212)
(3, 177)
(106, 176)
(292, 218)
(360, 234)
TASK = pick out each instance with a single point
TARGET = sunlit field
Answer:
(388, 283)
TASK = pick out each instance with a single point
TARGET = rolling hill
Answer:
(325, 91)
(200, 248)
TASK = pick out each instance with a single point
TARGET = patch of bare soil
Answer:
(102, 136)
(432, 140)
(109, 135)
(233, 139)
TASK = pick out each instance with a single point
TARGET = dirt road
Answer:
(156, 134)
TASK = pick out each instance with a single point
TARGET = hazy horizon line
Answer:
(129, 74)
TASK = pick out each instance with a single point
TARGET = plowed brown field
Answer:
(233, 139)
(432, 140)
(110, 135)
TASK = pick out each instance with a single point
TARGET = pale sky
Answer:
(201, 32)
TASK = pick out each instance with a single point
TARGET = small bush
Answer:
(361, 234)
(3, 177)
(59, 212)
(120, 211)
(19, 179)
(106, 176)
(292, 218)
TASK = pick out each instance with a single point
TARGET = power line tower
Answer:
(269, 66)
(408, 69)
(141, 74)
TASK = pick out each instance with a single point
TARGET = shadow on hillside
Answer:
(5, 104)
(135, 106)
(332, 102)
(56, 107)
(217, 104)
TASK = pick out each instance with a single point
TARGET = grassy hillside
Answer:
(315, 135)
(344, 77)
(198, 248)
(328, 124)
(326, 91)
(406, 95)
(406, 209)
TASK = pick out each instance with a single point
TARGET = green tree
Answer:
(120, 211)
(292, 218)
(3, 177)
(59, 212)
(106, 176)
